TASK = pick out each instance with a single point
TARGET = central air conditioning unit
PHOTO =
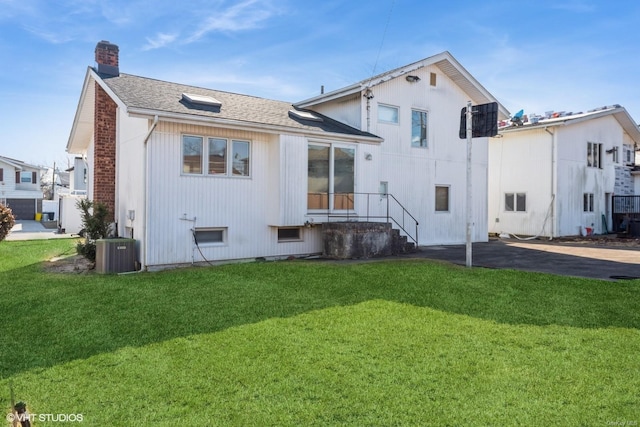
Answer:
(115, 255)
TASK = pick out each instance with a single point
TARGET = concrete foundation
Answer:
(347, 240)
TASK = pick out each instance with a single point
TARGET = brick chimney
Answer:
(107, 61)
(104, 130)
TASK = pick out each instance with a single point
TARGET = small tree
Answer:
(7, 221)
(95, 226)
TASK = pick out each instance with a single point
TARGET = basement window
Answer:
(214, 236)
(515, 202)
(289, 234)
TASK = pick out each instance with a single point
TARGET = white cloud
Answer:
(160, 40)
(242, 16)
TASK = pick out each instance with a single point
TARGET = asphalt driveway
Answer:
(584, 259)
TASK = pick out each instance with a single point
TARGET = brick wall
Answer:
(104, 177)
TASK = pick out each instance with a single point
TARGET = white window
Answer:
(289, 234)
(330, 177)
(210, 236)
(515, 202)
(594, 155)
(213, 157)
(442, 198)
(25, 177)
(387, 114)
(587, 202)
(192, 154)
(418, 128)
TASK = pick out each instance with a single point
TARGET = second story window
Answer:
(418, 128)
(594, 155)
(387, 114)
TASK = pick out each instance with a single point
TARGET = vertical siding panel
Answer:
(413, 172)
(239, 204)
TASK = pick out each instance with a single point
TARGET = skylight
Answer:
(201, 99)
(305, 115)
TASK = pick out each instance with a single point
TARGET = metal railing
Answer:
(624, 209)
(393, 212)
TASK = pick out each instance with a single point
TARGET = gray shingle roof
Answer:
(160, 96)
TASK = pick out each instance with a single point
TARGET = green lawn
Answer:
(314, 343)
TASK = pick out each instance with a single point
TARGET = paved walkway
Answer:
(32, 230)
(569, 259)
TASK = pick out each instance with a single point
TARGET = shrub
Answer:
(7, 221)
(95, 225)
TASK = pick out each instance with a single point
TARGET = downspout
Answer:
(146, 196)
(553, 183)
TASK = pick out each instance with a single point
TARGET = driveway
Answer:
(32, 230)
(584, 259)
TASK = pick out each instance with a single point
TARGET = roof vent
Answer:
(201, 100)
(305, 115)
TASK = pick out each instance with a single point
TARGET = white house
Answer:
(196, 174)
(20, 188)
(416, 110)
(556, 175)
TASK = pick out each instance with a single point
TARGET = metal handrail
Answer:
(349, 213)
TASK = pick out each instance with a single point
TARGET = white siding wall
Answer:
(344, 110)
(413, 173)
(130, 178)
(575, 178)
(288, 188)
(241, 205)
(520, 162)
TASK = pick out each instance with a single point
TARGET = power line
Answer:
(384, 35)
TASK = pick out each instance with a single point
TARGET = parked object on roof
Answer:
(571, 170)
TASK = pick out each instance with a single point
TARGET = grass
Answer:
(311, 343)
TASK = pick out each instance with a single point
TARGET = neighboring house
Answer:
(78, 176)
(556, 175)
(70, 219)
(20, 188)
(195, 174)
(422, 161)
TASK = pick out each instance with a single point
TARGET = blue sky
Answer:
(571, 55)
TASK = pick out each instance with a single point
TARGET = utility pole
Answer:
(53, 182)
(469, 206)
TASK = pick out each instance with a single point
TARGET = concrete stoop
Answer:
(349, 240)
